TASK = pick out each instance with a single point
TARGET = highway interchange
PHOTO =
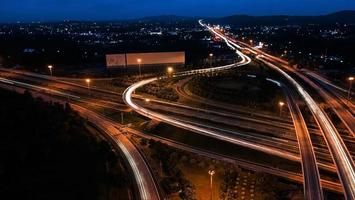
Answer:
(298, 147)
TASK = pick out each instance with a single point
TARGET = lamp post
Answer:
(139, 61)
(170, 71)
(88, 81)
(147, 101)
(350, 79)
(211, 173)
(50, 67)
(281, 104)
(210, 58)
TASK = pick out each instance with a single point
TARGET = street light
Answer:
(139, 61)
(281, 104)
(50, 67)
(170, 70)
(350, 79)
(211, 173)
(88, 81)
(210, 58)
(251, 42)
(147, 101)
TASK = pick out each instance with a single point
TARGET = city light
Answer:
(281, 104)
(221, 91)
(139, 61)
(88, 81)
(211, 173)
(50, 67)
(210, 59)
(350, 79)
(170, 70)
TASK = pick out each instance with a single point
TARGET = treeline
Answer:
(243, 90)
(237, 183)
(49, 152)
(173, 180)
(161, 89)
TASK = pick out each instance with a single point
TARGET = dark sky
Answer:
(46, 10)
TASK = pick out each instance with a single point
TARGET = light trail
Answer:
(311, 176)
(135, 160)
(127, 97)
(341, 156)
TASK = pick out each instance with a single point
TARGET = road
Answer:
(288, 145)
(341, 156)
(336, 90)
(251, 166)
(339, 152)
(312, 183)
(127, 96)
(142, 175)
(336, 187)
(330, 185)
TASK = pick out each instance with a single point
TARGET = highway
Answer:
(330, 185)
(312, 183)
(311, 174)
(127, 96)
(286, 142)
(247, 164)
(297, 178)
(341, 106)
(341, 156)
(142, 175)
(336, 90)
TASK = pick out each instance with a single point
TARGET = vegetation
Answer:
(49, 152)
(238, 183)
(237, 88)
(161, 89)
(173, 180)
(185, 174)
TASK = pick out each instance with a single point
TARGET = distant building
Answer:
(146, 59)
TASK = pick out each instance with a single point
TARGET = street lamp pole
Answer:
(147, 102)
(88, 81)
(170, 71)
(281, 104)
(210, 58)
(211, 173)
(139, 65)
(351, 78)
(50, 69)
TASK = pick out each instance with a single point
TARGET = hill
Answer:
(342, 17)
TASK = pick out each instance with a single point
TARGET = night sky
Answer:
(49, 10)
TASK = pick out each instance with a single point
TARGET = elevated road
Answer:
(142, 175)
(258, 167)
(312, 183)
(341, 156)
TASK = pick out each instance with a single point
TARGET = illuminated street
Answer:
(178, 100)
